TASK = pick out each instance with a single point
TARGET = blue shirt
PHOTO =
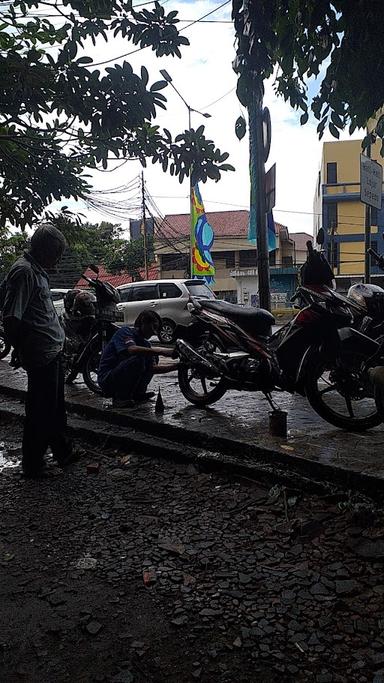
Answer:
(120, 342)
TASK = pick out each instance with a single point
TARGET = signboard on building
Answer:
(270, 189)
(278, 298)
(371, 182)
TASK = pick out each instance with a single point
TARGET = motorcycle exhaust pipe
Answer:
(190, 355)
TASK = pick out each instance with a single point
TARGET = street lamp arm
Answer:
(205, 114)
(168, 78)
(180, 95)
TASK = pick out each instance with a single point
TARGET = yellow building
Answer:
(338, 209)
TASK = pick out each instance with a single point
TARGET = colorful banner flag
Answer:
(270, 227)
(202, 237)
(252, 225)
(271, 231)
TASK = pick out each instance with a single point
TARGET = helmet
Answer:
(369, 297)
(84, 304)
(69, 298)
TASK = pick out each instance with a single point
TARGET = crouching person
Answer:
(129, 362)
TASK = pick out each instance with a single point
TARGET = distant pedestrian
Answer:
(129, 362)
(32, 327)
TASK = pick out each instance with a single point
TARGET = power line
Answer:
(246, 208)
(196, 21)
(174, 231)
(207, 106)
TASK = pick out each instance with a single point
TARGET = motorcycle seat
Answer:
(251, 320)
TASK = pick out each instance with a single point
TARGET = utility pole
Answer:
(144, 227)
(257, 147)
(367, 269)
(190, 197)
(168, 78)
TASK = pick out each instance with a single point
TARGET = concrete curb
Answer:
(98, 432)
(217, 453)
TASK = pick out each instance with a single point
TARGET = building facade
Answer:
(235, 259)
(339, 211)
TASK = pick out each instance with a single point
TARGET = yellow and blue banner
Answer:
(202, 237)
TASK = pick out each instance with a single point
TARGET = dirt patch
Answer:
(141, 570)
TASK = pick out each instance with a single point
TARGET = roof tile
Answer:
(115, 280)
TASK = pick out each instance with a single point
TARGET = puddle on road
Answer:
(9, 457)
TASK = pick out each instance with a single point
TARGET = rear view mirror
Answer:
(320, 238)
(94, 268)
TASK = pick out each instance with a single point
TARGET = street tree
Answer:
(89, 242)
(127, 256)
(97, 243)
(12, 246)
(339, 43)
(61, 115)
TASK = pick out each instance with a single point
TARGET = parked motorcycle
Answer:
(317, 354)
(371, 299)
(89, 323)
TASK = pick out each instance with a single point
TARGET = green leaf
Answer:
(84, 60)
(144, 75)
(159, 85)
(304, 118)
(335, 118)
(380, 127)
(334, 131)
(240, 127)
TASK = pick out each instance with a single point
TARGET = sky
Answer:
(205, 78)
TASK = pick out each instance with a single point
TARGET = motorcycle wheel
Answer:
(90, 369)
(199, 389)
(339, 391)
(4, 348)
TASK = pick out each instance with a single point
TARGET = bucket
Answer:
(278, 423)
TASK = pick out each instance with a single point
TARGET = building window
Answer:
(174, 261)
(227, 256)
(332, 216)
(333, 253)
(272, 258)
(373, 215)
(248, 258)
(332, 173)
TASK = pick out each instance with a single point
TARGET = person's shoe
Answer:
(123, 403)
(142, 398)
(67, 460)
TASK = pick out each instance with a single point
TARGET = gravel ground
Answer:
(128, 569)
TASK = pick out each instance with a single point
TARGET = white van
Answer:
(169, 298)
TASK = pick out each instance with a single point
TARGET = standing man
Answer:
(129, 362)
(32, 327)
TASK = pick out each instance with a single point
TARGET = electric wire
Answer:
(196, 21)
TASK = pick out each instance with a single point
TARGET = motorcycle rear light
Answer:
(306, 316)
